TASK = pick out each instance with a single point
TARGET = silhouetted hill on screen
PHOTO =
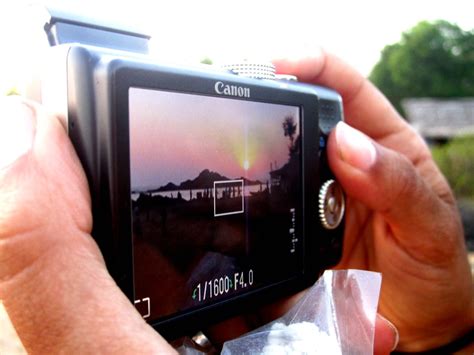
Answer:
(204, 180)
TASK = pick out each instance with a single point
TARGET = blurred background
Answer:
(420, 54)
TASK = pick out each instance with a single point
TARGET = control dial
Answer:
(331, 204)
(254, 70)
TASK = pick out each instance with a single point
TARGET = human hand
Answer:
(401, 218)
(56, 230)
(53, 280)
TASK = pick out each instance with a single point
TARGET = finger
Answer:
(386, 336)
(388, 183)
(53, 282)
(365, 107)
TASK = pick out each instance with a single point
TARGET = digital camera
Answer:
(211, 190)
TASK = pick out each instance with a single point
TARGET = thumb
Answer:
(53, 282)
(388, 183)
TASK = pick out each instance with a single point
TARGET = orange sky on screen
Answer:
(173, 137)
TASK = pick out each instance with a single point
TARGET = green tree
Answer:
(456, 161)
(433, 59)
(12, 91)
(206, 60)
(289, 128)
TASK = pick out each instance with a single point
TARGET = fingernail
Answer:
(16, 130)
(354, 147)
(396, 335)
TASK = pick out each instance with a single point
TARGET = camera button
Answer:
(331, 204)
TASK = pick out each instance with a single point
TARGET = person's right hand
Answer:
(402, 218)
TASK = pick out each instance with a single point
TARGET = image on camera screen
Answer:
(216, 198)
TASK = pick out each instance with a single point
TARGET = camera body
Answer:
(211, 192)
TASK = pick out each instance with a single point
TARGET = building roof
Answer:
(440, 118)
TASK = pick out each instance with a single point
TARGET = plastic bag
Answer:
(336, 316)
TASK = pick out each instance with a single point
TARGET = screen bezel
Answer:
(125, 75)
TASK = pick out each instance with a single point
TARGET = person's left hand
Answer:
(53, 280)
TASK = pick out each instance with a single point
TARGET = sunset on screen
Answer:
(174, 137)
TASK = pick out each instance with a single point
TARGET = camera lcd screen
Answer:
(216, 198)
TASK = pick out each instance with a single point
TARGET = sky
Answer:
(173, 137)
(224, 31)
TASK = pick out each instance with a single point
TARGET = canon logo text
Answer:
(231, 90)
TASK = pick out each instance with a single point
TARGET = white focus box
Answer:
(219, 208)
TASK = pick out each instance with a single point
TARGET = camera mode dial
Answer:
(258, 70)
(254, 70)
(331, 204)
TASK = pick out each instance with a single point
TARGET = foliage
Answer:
(206, 60)
(431, 60)
(456, 161)
(12, 91)
(289, 130)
